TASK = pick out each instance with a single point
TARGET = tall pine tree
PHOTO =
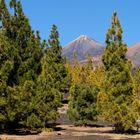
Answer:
(57, 72)
(52, 84)
(24, 59)
(118, 80)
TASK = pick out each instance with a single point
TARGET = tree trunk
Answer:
(119, 128)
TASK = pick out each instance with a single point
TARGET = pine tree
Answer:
(57, 72)
(24, 56)
(118, 80)
(136, 79)
(51, 84)
(6, 65)
(46, 100)
(83, 93)
(82, 104)
(5, 17)
(18, 29)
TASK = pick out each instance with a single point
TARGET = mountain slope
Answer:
(83, 46)
(133, 53)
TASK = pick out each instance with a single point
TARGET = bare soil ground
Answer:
(71, 132)
(67, 131)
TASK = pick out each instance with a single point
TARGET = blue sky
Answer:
(89, 17)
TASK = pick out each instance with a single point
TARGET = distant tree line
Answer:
(34, 77)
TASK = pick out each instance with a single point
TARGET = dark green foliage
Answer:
(18, 29)
(50, 84)
(6, 65)
(30, 91)
(83, 94)
(118, 80)
(57, 73)
(82, 104)
(21, 51)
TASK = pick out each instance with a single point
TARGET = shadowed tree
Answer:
(22, 51)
